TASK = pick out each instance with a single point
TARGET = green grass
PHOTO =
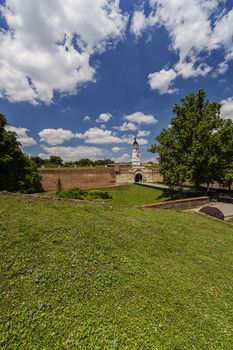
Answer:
(134, 195)
(77, 276)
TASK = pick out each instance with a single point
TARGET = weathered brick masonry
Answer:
(71, 178)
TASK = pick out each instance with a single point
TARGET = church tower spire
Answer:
(135, 153)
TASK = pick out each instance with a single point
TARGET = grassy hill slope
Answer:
(134, 195)
(79, 276)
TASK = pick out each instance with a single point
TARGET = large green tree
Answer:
(17, 171)
(198, 145)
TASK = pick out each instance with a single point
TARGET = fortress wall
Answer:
(71, 178)
(156, 177)
(124, 177)
(149, 175)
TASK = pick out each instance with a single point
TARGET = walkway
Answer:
(226, 208)
(162, 186)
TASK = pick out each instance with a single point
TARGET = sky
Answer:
(80, 78)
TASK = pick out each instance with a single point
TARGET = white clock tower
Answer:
(135, 154)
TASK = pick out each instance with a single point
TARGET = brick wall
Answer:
(71, 178)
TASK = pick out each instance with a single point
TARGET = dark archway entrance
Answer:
(138, 178)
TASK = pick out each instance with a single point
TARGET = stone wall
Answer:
(148, 175)
(125, 176)
(71, 178)
(156, 176)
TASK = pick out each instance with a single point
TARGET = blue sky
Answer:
(80, 78)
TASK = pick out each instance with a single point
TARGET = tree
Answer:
(198, 145)
(17, 171)
(228, 178)
(39, 161)
(55, 160)
(85, 162)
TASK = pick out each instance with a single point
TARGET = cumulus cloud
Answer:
(55, 136)
(182, 19)
(125, 157)
(104, 117)
(143, 133)
(162, 81)
(86, 118)
(126, 127)
(117, 149)
(130, 139)
(227, 108)
(140, 118)
(191, 69)
(47, 45)
(223, 33)
(139, 22)
(22, 136)
(141, 142)
(99, 136)
(222, 68)
(73, 153)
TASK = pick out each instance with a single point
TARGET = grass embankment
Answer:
(134, 195)
(75, 276)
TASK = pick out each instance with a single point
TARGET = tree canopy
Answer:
(198, 145)
(17, 171)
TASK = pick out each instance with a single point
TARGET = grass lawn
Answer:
(77, 276)
(134, 194)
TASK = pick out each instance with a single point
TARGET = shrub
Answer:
(99, 194)
(59, 186)
(212, 211)
(74, 193)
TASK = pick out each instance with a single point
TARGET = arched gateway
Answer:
(138, 177)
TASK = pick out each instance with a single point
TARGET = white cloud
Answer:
(55, 136)
(223, 33)
(184, 18)
(139, 22)
(125, 157)
(140, 118)
(86, 118)
(194, 27)
(99, 136)
(143, 133)
(67, 109)
(222, 68)
(162, 81)
(22, 137)
(227, 108)
(104, 117)
(141, 142)
(73, 153)
(148, 159)
(190, 69)
(38, 51)
(117, 149)
(130, 138)
(126, 126)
